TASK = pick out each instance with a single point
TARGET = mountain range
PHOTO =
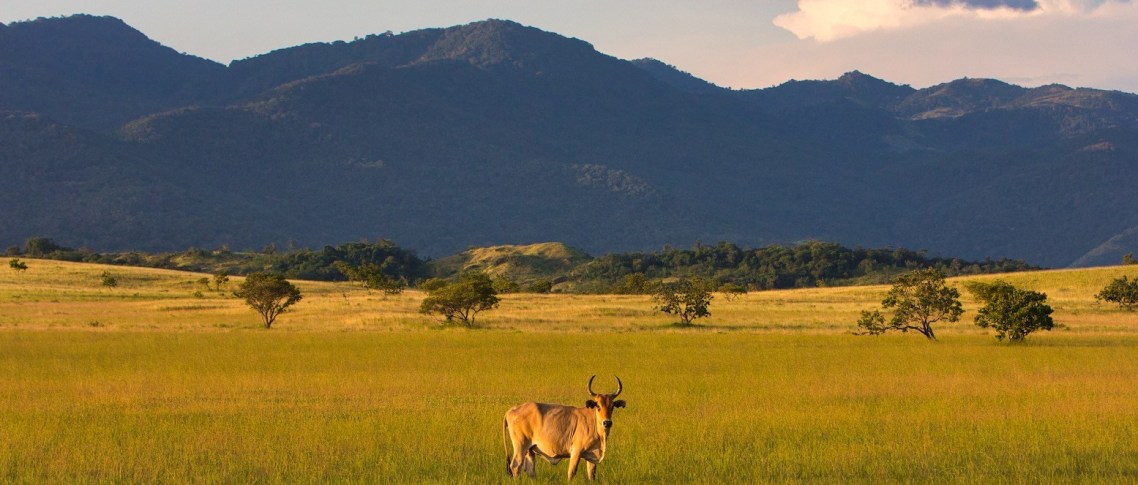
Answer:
(497, 133)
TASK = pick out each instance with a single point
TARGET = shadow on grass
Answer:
(1075, 341)
(694, 327)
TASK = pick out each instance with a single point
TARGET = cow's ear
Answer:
(619, 403)
(590, 403)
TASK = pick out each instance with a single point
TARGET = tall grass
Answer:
(60, 295)
(149, 383)
(427, 406)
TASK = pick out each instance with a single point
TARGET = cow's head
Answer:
(603, 404)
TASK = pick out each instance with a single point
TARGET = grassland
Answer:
(148, 383)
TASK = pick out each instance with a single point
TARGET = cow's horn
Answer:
(591, 384)
(619, 387)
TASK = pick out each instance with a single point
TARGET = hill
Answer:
(524, 265)
(496, 133)
(160, 300)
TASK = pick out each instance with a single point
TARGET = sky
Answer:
(734, 43)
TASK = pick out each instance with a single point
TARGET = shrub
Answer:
(462, 300)
(1012, 312)
(1121, 291)
(688, 299)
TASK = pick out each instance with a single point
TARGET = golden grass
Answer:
(426, 407)
(61, 295)
(148, 383)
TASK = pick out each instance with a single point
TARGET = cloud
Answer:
(1024, 5)
(828, 20)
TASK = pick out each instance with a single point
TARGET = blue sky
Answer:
(735, 43)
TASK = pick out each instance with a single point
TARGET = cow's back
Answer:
(549, 426)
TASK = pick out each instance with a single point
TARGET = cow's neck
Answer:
(600, 436)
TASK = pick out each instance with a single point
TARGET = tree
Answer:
(220, 278)
(1128, 259)
(18, 265)
(686, 298)
(635, 284)
(732, 291)
(541, 286)
(269, 294)
(919, 299)
(462, 300)
(109, 280)
(372, 277)
(1013, 312)
(1122, 292)
(38, 246)
(505, 285)
(432, 284)
(389, 286)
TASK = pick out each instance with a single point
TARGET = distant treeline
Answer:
(807, 264)
(305, 264)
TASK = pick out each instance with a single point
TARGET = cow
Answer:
(557, 432)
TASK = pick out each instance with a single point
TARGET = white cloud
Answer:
(829, 20)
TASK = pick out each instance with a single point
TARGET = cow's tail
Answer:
(506, 445)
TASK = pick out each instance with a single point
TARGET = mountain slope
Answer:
(95, 72)
(497, 133)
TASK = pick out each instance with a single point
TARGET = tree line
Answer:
(917, 299)
(385, 265)
(808, 264)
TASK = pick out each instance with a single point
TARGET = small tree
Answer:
(372, 277)
(18, 265)
(686, 298)
(432, 284)
(1128, 259)
(541, 286)
(109, 280)
(41, 246)
(732, 291)
(504, 285)
(268, 294)
(919, 299)
(1013, 312)
(389, 286)
(635, 284)
(220, 278)
(462, 300)
(1122, 292)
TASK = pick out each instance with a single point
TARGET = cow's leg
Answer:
(591, 470)
(530, 467)
(574, 458)
(521, 449)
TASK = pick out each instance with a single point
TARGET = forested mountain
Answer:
(494, 132)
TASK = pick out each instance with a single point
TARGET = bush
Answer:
(1121, 291)
(732, 291)
(462, 300)
(18, 265)
(432, 284)
(1013, 312)
(686, 298)
(540, 286)
(505, 285)
(635, 284)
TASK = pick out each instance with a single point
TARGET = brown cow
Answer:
(557, 432)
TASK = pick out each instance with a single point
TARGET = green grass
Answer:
(426, 407)
(147, 383)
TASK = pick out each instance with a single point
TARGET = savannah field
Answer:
(147, 382)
